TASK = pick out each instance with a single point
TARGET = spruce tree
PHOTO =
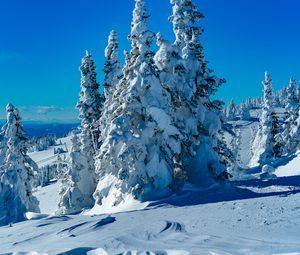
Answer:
(264, 142)
(184, 71)
(113, 74)
(91, 101)
(17, 173)
(278, 139)
(80, 182)
(76, 189)
(136, 158)
(291, 115)
(112, 70)
(231, 111)
(244, 111)
(235, 145)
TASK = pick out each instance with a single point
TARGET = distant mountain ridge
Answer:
(39, 129)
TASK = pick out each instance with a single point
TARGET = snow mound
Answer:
(291, 168)
(35, 216)
(211, 221)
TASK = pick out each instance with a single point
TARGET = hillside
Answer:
(247, 217)
(254, 217)
(157, 163)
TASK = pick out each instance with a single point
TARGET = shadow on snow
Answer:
(236, 190)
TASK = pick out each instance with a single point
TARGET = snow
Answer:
(248, 129)
(257, 212)
(251, 217)
(291, 168)
(47, 157)
(244, 217)
(107, 190)
(35, 216)
(48, 197)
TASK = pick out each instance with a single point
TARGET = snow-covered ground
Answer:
(48, 197)
(47, 157)
(252, 217)
(244, 217)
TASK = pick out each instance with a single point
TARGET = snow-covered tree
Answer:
(264, 142)
(136, 158)
(244, 111)
(201, 123)
(292, 98)
(231, 111)
(89, 166)
(17, 173)
(184, 13)
(235, 144)
(290, 129)
(76, 189)
(113, 74)
(112, 70)
(79, 183)
(276, 130)
(280, 97)
(91, 101)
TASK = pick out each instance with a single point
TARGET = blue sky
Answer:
(42, 42)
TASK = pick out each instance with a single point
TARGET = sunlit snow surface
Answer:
(254, 217)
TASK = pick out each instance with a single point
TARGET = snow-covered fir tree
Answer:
(183, 71)
(80, 181)
(235, 144)
(276, 130)
(76, 190)
(290, 129)
(280, 97)
(263, 147)
(231, 111)
(89, 177)
(17, 173)
(113, 74)
(136, 158)
(91, 101)
(112, 70)
(244, 111)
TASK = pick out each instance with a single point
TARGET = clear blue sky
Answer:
(42, 42)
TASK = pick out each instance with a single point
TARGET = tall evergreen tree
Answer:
(113, 74)
(80, 182)
(277, 134)
(291, 115)
(76, 189)
(263, 147)
(244, 111)
(183, 70)
(231, 111)
(136, 157)
(91, 101)
(112, 70)
(184, 12)
(17, 173)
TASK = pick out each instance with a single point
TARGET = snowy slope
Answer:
(48, 197)
(244, 217)
(256, 217)
(47, 157)
(247, 129)
(290, 168)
